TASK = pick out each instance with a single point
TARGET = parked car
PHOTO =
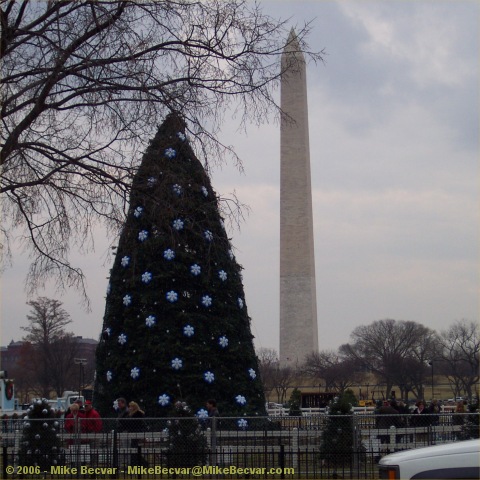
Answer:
(459, 460)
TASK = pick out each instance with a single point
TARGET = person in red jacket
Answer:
(92, 422)
(74, 422)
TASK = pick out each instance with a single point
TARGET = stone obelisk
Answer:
(298, 306)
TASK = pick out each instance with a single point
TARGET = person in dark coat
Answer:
(386, 417)
(136, 424)
(420, 417)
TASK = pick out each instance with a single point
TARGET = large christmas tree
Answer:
(176, 325)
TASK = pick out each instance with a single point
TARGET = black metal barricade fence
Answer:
(317, 446)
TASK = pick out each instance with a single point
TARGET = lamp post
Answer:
(80, 362)
(431, 364)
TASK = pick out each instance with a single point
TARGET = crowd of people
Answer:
(397, 413)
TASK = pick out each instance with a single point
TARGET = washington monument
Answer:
(298, 306)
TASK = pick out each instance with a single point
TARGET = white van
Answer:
(457, 460)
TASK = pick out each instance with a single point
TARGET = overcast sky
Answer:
(394, 124)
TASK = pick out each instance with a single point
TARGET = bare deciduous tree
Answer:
(337, 372)
(84, 86)
(460, 355)
(392, 349)
(53, 348)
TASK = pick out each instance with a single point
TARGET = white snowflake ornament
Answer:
(122, 339)
(168, 254)
(208, 235)
(147, 277)
(138, 212)
(209, 377)
(143, 235)
(177, 364)
(207, 301)
(172, 296)
(195, 270)
(178, 224)
(127, 300)
(222, 274)
(150, 321)
(188, 330)
(252, 373)
(240, 399)
(163, 400)
(170, 153)
(202, 413)
(242, 423)
(223, 341)
(135, 372)
(125, 261)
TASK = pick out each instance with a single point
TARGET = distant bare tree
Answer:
(274, 377)
(283, 380)
(392, 349)
(53, 348)
(337, 372)
(85, 85)
(460, 355)
(267, 363)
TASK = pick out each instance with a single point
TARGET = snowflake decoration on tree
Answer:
(150, 321)
(188, 330)
(108, 331)
(143, 235)
(206, 301)
(222, 274)
(151, 181)
(202, 413)
(208, 235)
(178, 224)
(209, 377)
(147, 277)
(240, 302)
(223, 341)
(172, 296)
(109, 376)
(170, 153)
(240, 399)
(122, 339)
(252, 373)
(138, 212)
(230, 254)
(164, 400)
(125, 261)
(177, 364)
(242, 423)
(127, 300)
(195, 270)
(181, 136)
(177, 189)
(135, 372)
(204, 191)
(168, 254)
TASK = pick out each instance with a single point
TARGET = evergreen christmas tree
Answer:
(295, 403)
(338, 442)
(176, 325)
(41, 443)
(187, 443)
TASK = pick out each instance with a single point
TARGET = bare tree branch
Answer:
(84, 86)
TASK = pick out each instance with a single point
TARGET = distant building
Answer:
(18, 353)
